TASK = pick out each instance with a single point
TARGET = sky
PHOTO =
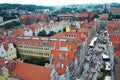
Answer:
(57, 2)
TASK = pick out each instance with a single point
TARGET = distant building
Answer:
(33, 18)
(116, 11)
(85, 16)
(38, 10)
(1, 19)
(67, 17)
(105, 14)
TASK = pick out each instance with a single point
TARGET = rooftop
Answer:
(27, 71)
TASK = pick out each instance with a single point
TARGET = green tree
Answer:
(42, 33)
(110, 16)
(117, 16)
(75, 18)
(41, 61)
(64, 29)
(96, 16)
(10, 25)
(51, 33)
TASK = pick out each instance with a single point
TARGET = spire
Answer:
(105, 9)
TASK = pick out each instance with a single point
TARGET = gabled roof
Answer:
(27, 71)
(5, 44)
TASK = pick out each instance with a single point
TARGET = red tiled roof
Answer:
(17, 32)
(5, 44)
(70, 55)
(65, 15)
(78, 36)
(58, 64)
(1, 63)
(28, 71)
(113, 23)
(85, 14)
(61, 70)
(117, 10)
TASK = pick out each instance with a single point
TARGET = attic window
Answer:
(2, 52)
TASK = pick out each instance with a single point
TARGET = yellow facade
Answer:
(36, 51)
(68, 29)
(73, 31)
(6, 76)
(11, 52)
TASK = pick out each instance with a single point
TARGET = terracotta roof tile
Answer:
(61, 70)
(28, 71)
(65, 15)
(117, 10)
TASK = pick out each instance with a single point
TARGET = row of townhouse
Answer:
(34, 29)
(114, 36)
(85, 16)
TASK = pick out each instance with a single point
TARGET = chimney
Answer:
(6, 64)
(62, 65)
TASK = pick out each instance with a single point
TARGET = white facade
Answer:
(1, 19)
(11, 52)
(28, 33)
(55, 28)
(3, 52)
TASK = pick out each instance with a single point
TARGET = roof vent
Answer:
(6, 64)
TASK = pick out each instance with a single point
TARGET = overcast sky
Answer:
(57, 2)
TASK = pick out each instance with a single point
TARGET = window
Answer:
(46, 54)
(25, 46)
(40, 53)
(31, 47)
(2, 52)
